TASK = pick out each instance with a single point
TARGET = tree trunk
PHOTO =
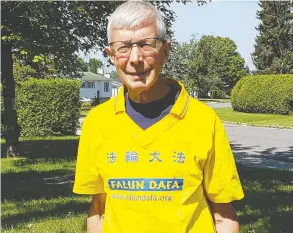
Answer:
(10, 117)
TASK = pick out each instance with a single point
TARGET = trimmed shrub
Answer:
(218, 94)
(48, 106)
(264, 94)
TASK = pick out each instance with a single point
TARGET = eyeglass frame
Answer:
(137, 42)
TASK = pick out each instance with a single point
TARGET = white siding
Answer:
(102, 90)
(92, 92)
(115, 91)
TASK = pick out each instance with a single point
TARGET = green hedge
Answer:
(264, 94)
(48, 106)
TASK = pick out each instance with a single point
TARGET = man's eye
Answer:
(122, 49)
(146, 45)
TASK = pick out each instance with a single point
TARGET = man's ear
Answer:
(166, 51)
(110, 54)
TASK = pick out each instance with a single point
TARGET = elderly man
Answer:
(153, 158)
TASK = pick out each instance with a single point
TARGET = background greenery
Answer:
(264, 94)
(206, 64)
(48, 106)
(255, 119)
(273, 52)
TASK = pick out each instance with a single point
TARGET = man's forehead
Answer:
(135, 34)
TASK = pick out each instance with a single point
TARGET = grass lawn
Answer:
(84, 112)
(269, 120)
(37, 192)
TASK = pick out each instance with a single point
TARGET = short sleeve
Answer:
(221, 179)
(87, 177)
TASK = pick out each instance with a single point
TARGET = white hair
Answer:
(132, 14)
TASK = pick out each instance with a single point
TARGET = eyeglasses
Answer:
(146, 46)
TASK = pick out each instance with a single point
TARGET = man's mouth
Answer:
(139, 73)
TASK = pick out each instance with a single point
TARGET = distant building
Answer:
(98, 85)
(95, 86)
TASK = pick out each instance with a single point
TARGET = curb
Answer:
(259, 126)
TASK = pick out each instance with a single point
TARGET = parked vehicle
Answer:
(84, 100)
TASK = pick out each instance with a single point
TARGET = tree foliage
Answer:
(22, 71)
(274, 45)
(206, 64)
(94, 64)
(178, 66)
(114, 75)
(82, 65)
(56, 28)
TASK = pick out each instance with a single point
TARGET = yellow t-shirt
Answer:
(158, 179)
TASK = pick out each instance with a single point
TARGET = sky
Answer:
(234, 19)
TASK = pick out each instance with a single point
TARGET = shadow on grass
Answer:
(52, 149)
(34, 185)
(60, 211)
(31, 186)
(267, 196)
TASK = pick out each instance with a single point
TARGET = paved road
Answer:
(261, 147)
(219, 105)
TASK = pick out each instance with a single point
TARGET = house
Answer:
(95, 86)
(98, 85)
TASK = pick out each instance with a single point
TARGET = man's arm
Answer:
(96, 213)
(225, 218)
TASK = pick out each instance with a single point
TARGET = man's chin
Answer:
(138, 86)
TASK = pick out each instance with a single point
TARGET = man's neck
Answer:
(156, 92)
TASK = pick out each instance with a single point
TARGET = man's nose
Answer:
(135, 55)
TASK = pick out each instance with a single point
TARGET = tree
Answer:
(217, 64)
(82, 66)
(114, 75)
(178, 63)
(274, 45)
(207, 64)
(94, 64)
(248, 71)
(22, 71)
(55, 29)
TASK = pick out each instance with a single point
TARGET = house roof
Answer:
(89, 76)
(117, 80)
